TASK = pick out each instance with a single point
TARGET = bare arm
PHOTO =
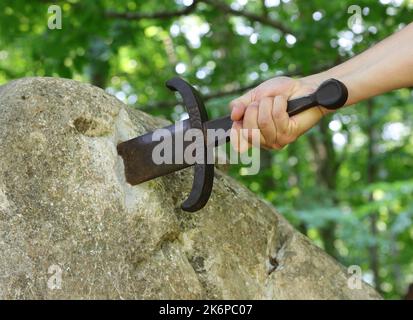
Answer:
(382, 68)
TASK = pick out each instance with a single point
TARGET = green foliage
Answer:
(352, 202)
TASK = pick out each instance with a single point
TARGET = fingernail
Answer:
(234, 113)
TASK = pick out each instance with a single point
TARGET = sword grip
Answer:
(331, 94)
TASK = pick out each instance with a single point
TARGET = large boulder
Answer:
(71, 227)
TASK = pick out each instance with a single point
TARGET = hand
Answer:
(265, 108)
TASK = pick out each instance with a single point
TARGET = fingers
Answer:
(265, 108)
(239, 143)
(239, 105)
(266, 123)
(271, 118)
(270, 88)
(250, 124)
(238, 111)
(279, 114)
(281, 121)
(276, 128)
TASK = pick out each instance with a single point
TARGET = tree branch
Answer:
(205, 97)
(264, 8)
(264, 19)
(234, 91)
(155, 15)
(211, 96)
(249, 15)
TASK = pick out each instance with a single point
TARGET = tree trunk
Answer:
(372, 170)
(327, 167)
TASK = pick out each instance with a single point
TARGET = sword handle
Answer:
(331, 94)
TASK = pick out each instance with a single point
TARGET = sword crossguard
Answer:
(204, 171)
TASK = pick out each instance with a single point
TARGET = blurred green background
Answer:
(347, 184)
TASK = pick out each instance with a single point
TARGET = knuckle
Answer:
(277, 112)
(278, 104)
(281, 145)
(232, 104)
(264, 122)
(267, 101)
(276, 147)
(286, 139)
(284, 131)
(254, 93)
(282, 139)
(280, 130)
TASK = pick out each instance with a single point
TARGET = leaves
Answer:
(222, 46)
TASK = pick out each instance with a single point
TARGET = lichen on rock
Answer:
(72, 227)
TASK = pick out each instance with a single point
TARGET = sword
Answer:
(137, 153)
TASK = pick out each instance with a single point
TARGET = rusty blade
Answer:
(137, 152)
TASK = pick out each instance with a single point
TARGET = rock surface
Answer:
(71, 227)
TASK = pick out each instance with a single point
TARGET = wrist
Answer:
(334, 73)
(317, 78)
(313, 82)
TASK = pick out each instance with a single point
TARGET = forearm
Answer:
(385, 67)
(382, 68)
